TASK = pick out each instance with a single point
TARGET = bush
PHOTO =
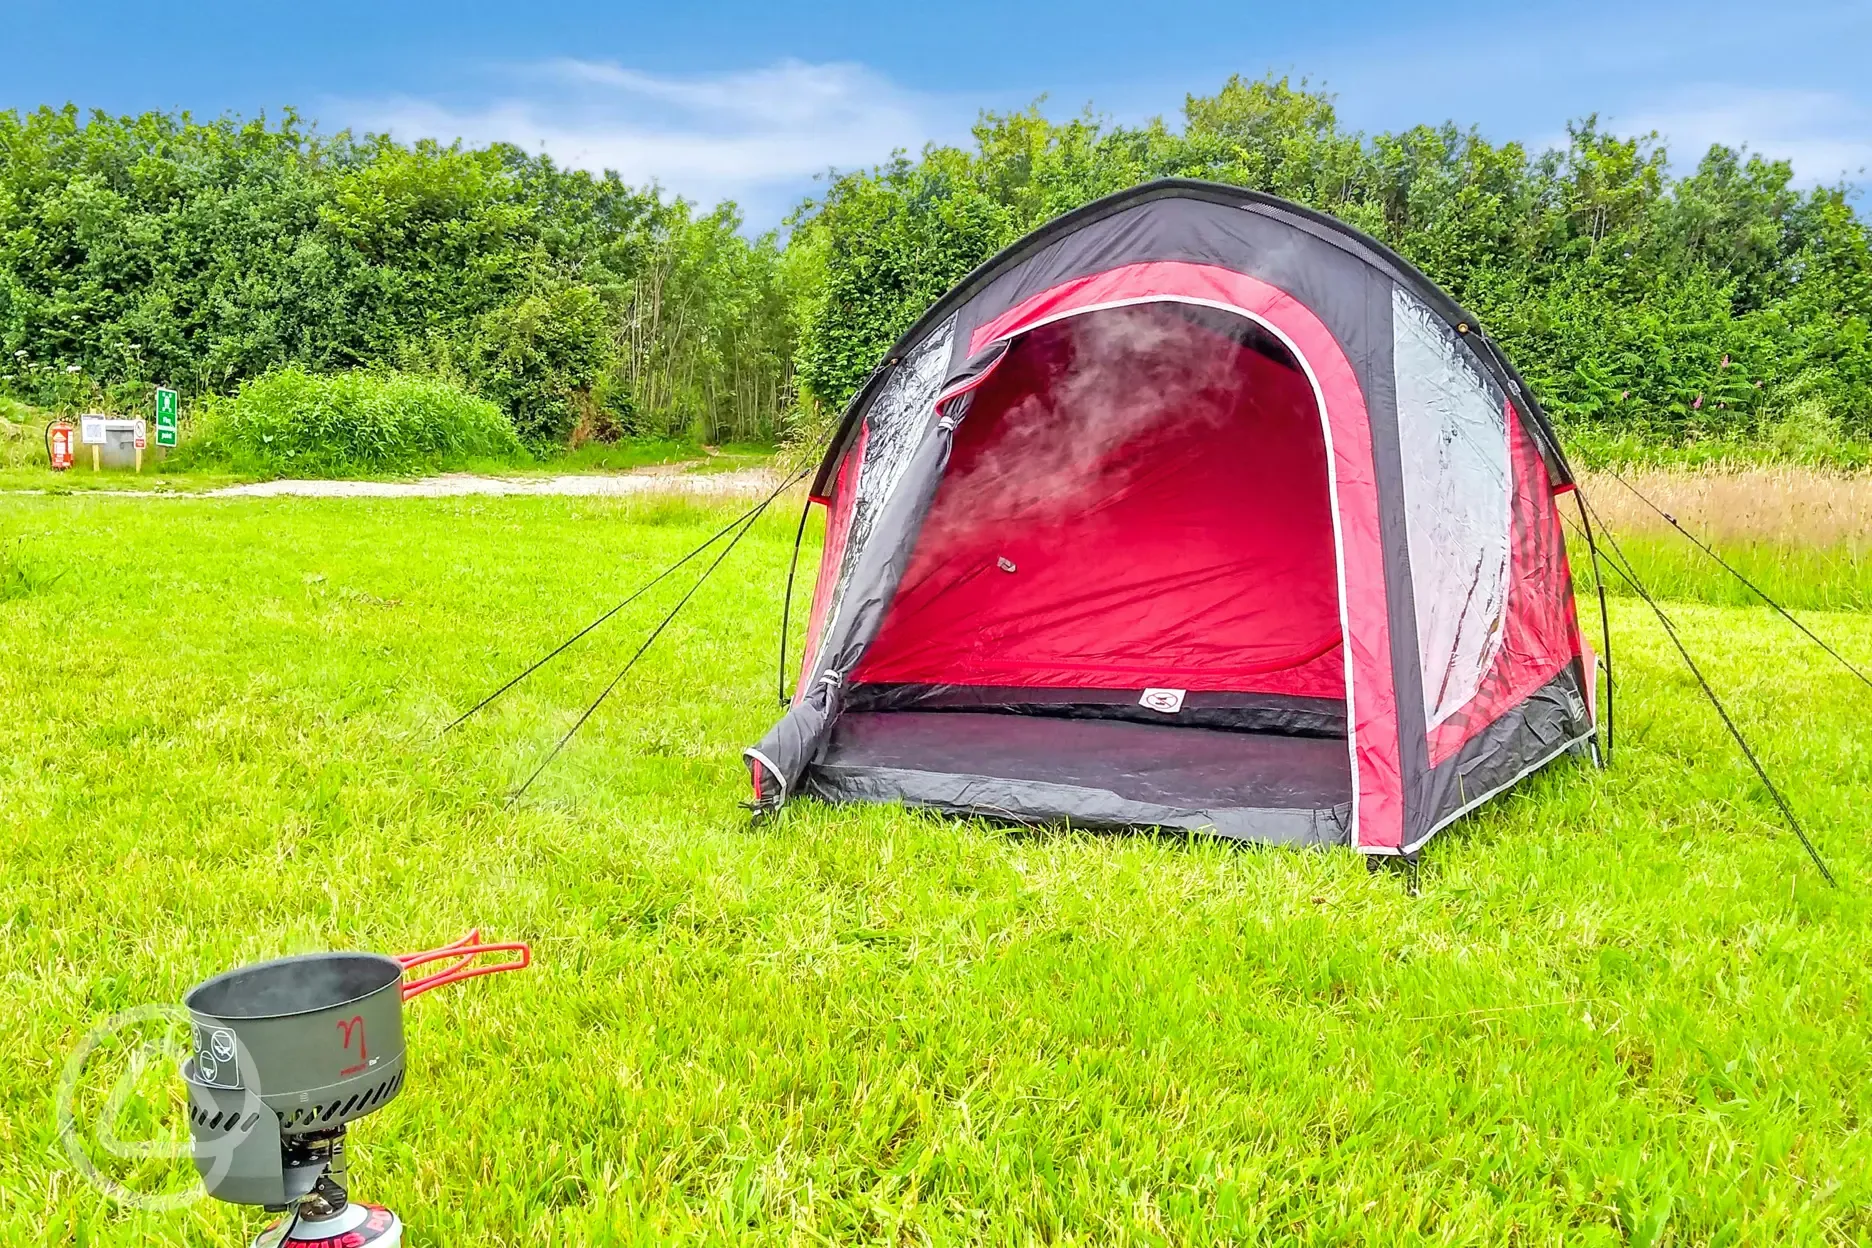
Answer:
(539, 357)
(292, 423)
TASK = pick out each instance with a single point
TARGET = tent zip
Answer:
(1630, 577)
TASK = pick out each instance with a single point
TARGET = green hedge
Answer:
(1727, 304)
(294, 423)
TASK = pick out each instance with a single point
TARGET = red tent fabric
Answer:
(1117, 481)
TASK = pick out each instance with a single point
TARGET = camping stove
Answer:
(287, 1054)
(326, 1216)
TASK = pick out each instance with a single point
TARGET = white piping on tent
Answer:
(1517, 778)
(1332, 490)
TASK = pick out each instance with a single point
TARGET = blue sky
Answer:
(750, 100)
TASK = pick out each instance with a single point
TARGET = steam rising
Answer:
(1081, 397)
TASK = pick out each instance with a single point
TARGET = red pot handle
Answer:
(462, 952)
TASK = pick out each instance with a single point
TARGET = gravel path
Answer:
(740, 482)
(650, 481)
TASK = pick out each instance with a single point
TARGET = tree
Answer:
(540, 357)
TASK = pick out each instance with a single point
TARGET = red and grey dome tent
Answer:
(1192, 509)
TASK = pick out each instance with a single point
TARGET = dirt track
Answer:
(1798, 506)
(1789, 505)
(739, 483)
(713, 484)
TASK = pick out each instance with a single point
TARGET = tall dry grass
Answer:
(1802, 535)
(1781, 505)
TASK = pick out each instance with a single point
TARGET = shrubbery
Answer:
(1722, 307)
(294, 423)
(1725, 306)
(137, 251)
(538, 359)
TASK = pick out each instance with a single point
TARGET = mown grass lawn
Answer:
(1624, 1009)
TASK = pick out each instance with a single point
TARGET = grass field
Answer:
(1803, 535)
(1624, 1010)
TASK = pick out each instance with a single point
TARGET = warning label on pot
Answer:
(217, 1061)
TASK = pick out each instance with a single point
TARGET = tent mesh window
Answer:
(894, 425)
(1458, 491)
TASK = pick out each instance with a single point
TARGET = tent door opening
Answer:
(1125, 593)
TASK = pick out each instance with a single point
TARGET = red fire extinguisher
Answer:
(59, 444)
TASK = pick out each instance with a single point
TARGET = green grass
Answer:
(1624, 1010)
(1594, 447)
(154, 478)
(1812, 578)
(620, 456)
(628, 454)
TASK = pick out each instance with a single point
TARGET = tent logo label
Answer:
(1169, 701)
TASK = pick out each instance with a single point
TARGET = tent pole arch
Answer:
(1318, 224)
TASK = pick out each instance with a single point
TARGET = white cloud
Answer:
(1657, 66)
(759, 136)
(756, 136)
(1825, 135)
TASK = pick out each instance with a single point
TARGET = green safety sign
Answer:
(165, 417)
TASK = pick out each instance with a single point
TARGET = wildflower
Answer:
(71, 368)
(1725, 362)
(1698, 404)
(1623, 395)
